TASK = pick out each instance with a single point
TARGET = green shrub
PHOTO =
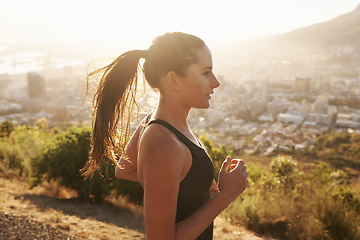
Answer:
(341, 138)
(315, 205)
(343, 148)
(17, 149)
(321, 139)
(6, 128)
(329, 143)
(64, 156)
(338, 220)
(285, 171)
(217, 154)
(321, 173)
(131, 190)
(255, 173)
(11, 158)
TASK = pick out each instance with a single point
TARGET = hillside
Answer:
(36, 214)
(338, 33)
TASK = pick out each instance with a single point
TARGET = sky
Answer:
(134, 23)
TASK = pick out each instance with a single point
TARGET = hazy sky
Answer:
(136, 22)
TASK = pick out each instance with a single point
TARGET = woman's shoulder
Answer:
(160, 138)
(159, 144)
(160, 151)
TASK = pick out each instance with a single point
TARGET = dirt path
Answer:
(29, 214)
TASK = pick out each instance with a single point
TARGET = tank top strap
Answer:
(172, 129)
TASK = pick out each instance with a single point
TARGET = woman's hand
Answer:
(234, 181)
(214, 188)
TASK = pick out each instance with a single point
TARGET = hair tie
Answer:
(143, 53)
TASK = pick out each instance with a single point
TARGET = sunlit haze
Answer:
(136, 23)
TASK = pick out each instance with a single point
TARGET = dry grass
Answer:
(84, 220)
(116, 219)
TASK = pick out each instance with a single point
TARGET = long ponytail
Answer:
(113, 103)
(114, 99)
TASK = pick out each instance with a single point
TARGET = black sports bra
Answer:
(194, 189)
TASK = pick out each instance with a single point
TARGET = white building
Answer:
(16, 91)
(265, 92)
(348, 120)
(266, 118)
(290, 118)
(321, 105)
(347, 123)
(6, 107)
(317, 119)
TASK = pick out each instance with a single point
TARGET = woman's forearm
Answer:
(191, 227)
(231, 184)
(126, 174)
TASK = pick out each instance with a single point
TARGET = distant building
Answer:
(255, 107)
(321, 105)
(348, 120)
(36, 85)
(16, 91)
(302, 85)
(9, 107)
(276, 107)
(242, 113)
(318, 119)
(265, 92)
(33, 105)
(290, 118)
(347, 123)
(266, 117)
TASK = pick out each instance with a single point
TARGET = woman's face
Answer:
(200, 81)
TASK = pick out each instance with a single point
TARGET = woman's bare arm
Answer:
(161, 164)
(126, 167)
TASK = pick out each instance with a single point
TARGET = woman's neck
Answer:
(175, 115)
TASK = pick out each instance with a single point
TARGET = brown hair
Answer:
(114, 99)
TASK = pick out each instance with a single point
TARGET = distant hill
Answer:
(342, 31)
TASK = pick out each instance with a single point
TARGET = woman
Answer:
(163, 154)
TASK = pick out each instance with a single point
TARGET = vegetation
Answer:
(63, 157)
(287, 197)
(217, 154)
(42, 154)
(19, 145)
(292, 204)
(339, 149)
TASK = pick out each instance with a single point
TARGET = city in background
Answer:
(281, 90)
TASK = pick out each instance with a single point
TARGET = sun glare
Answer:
(136, 23)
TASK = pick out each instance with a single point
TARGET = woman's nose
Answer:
(215, 83)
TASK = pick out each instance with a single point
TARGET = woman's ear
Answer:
(173, 81)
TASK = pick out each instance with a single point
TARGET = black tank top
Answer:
(194, 189)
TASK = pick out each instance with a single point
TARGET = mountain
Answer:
(325, 50)
(342, 31)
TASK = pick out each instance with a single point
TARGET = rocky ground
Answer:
(37, 214)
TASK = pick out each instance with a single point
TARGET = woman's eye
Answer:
(207, 73)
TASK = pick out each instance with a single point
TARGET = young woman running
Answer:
(181, 198)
